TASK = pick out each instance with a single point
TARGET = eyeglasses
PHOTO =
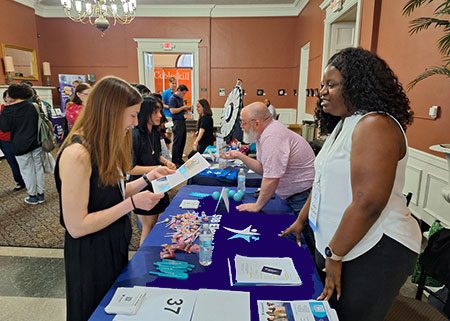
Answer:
(84, 93)
(244, 123)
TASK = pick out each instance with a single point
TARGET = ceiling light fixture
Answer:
(97, 12)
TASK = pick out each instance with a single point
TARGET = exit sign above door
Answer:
(336, 5)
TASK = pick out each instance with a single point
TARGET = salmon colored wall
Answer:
(310, 29)
(408, 56)
(80, 49)
(260, 51)
(23, 35)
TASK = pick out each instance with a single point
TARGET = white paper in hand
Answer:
(192, 167)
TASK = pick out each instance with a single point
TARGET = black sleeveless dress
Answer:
(93, 262)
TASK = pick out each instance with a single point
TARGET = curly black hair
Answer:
(368, 85)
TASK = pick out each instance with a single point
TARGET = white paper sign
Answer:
(220, 305)
(190, 204)
(164, 304)
(192, 167)
(224, 196)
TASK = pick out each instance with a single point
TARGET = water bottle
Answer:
(241, 180)
(205, 245)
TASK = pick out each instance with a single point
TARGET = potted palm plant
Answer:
(439, 20)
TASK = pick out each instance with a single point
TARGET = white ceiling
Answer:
(190, 8)
(190, 2)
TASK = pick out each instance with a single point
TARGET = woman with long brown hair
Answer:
(94, 199)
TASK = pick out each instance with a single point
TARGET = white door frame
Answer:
(178, 46)
(303, 84)
(333, 16)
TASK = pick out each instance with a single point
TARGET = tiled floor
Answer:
(32, 284)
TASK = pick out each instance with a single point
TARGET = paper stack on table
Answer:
(220, 305)
(307, 310)
(265, 271)
(162, 304)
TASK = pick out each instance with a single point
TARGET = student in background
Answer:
(167, 94)
(76, 103)
(21, 119)
(204, 135)
(177, 109)
(147, 156)
(6, 147)
(94, 199)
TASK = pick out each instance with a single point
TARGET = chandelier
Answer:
(97, 12)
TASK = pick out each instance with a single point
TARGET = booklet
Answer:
(192, 167)
(306, 310)
(265, 271)
(125, 301)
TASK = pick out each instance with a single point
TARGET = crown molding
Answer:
(28, 3)
(189, 10)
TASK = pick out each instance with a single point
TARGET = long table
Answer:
(275, 216)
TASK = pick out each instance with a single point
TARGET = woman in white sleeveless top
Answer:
(366, 239)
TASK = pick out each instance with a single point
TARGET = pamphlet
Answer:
(307, 310)
(189, 204)
(192, 167)
(125, 301)
(265, 271)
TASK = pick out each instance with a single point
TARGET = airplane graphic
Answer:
(247, 234)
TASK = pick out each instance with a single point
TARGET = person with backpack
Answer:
(20, 118)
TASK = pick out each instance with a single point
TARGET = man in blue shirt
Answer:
(167, 94)
(179, 125)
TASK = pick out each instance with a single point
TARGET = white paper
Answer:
(125, 301)
(307, 310)
(220, 305)
(250, 270)
(164, 304)
(224, 196)
(190, 204)
(192, 167)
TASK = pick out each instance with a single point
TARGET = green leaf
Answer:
(422, 23)
(435, 70)
(411, 5)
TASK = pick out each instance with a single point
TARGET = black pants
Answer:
(179, 141)
(370, 282)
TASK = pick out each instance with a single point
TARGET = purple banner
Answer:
(66, 87)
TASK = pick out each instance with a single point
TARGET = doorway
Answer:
(156, 55)
(341, 27)
(302, 85)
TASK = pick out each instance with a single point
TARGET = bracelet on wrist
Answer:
(146, 180)
(132, 202)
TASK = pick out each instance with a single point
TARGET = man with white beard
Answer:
(283, 158)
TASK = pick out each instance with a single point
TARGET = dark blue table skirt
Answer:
(276, 216)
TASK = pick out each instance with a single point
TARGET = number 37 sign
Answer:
(164, 304)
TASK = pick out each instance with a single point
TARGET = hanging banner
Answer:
(66, 87)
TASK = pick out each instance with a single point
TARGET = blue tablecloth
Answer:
(251, 179)
(276, 216)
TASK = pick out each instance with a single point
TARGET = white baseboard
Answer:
(426, 176)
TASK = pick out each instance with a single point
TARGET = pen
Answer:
(181, 276)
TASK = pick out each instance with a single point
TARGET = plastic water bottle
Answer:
(205, 245)
(241, 180)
